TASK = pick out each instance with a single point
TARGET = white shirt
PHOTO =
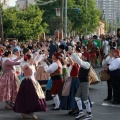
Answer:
(105, 45)
(115, 64)
(69, 70)
(108, 60)
(84, 64)
(72, 43)
(23, 62)
(39, 58)
(52, 68)
(77, 39)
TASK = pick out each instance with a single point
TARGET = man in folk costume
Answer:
(83, 90)
(55, 71)
(114, 70)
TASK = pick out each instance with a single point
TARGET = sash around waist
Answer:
(56, 77)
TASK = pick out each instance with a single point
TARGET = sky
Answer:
(12, 2)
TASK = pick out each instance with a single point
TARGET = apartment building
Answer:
(5, 3)
(21, 4)
(110, 10)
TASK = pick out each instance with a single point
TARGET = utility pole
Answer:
(86, 13)
(65, 18)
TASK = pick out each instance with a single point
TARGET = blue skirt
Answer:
(69, 102)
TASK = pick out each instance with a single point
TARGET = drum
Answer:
(104, 76)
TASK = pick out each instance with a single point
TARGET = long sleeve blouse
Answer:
(8, 65)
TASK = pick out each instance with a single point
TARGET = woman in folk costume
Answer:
(55, 71)
(26, 51)
(30, 97)
(9, 83)
(83, 90)
(41, 75)
(70, 88)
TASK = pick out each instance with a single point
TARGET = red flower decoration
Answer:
(26, 57)
(68, 65)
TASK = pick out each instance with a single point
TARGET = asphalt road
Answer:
(101, 110)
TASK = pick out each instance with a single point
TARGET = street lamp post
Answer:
(65, 18)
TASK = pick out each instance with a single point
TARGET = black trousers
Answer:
(116, 88)
(110, 89)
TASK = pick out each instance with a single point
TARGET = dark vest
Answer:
(83, 75)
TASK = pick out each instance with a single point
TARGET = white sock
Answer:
(79, 103)
(87, 104)
(56, 101)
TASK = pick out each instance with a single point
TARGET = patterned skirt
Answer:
(30, 98)
(9, 85)
(42, 76)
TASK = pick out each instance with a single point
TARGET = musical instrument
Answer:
(93, 78)
(104, 76)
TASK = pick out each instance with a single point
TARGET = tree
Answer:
(87, 18)
(23, 24)
(56, 24)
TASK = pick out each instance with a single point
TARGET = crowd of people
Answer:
(60, 67)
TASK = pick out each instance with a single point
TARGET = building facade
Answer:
(5, 3)
(110, 10)
(21, 4)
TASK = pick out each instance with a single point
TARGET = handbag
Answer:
(93, 78)
(104, 76)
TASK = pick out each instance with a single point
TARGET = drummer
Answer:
(106, 61)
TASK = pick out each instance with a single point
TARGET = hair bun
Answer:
(6, 53)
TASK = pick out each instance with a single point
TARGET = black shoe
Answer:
(53, 104)
(70, 112)
(115, 102)
(56, 109)
(107, 99)
(76, 112)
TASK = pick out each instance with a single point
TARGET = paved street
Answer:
(101, 110)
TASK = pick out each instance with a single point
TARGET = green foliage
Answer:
(23, 24)
(87, 18)
(56, 24)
